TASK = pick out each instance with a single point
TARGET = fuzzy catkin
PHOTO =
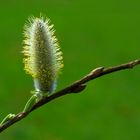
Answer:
(43, 58)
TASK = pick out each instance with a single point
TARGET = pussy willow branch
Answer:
(75, 87)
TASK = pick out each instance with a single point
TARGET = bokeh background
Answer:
(91, 33)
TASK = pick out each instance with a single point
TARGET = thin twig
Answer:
(75, 87)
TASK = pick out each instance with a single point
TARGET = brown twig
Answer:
(76, 87)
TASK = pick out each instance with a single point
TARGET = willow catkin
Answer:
(43, 58)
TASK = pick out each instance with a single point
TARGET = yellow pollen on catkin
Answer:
(43, 59)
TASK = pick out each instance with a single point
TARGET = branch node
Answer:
(96, 71)
(78, 88)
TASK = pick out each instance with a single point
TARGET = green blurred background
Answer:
(91, 33)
